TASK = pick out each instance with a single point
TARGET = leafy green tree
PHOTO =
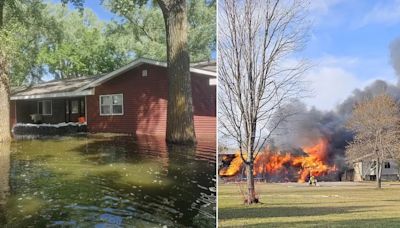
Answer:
(62, 43)
(81, 46)
(17, 20)
(141, 29)
(31, 37)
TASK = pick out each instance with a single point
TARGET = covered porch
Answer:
(38, 118)
(51, 110)
(53, 102)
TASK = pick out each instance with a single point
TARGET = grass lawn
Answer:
(332, 204)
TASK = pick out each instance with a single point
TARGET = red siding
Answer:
(145, 103)
(204, 102)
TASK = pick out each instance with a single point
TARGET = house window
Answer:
(74, 107)
(45, 107)
(387, 165)
(111, 104)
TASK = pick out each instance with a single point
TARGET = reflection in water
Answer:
(113, 181)
(189, 178)
(4, 177)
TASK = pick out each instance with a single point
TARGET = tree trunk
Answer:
(378, 174)
(1, 13)
(398, 170)
(251, 194)
(4, 171)
(5, 133)
(180, 124)
(4, 180)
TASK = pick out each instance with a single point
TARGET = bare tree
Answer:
(258, 73)
(375, 123)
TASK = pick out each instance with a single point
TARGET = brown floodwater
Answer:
(113, 181)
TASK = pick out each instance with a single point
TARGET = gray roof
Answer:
(54, 86)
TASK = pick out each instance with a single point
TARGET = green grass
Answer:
(298, 205)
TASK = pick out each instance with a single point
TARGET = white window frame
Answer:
(111, 109)
(51, 107)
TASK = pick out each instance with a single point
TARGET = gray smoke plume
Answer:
(376, 88)
(306, 126)
(395, 55)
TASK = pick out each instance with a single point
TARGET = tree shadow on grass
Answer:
(384, 222)
(263, 212)
(392, 200)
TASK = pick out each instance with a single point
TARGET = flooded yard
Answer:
(115, 181)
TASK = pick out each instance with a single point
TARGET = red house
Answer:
(132, 99)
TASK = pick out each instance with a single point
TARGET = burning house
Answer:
(310, 143)
(284, 166)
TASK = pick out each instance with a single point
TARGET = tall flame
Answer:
(313, 163)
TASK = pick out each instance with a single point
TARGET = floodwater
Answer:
(114, 181)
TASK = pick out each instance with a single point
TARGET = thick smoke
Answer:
(376, 88)
(306, 126)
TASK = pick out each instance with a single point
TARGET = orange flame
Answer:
(234, 167)
(267, 162)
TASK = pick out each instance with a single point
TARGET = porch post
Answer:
(65, 110)
(15, 112)
(86, 120)
(69, 110)
(80, 107)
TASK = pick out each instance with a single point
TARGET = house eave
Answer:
(137, 63)
(54, 95)
(203, 72)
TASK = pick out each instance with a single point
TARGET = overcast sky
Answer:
(349, 47)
